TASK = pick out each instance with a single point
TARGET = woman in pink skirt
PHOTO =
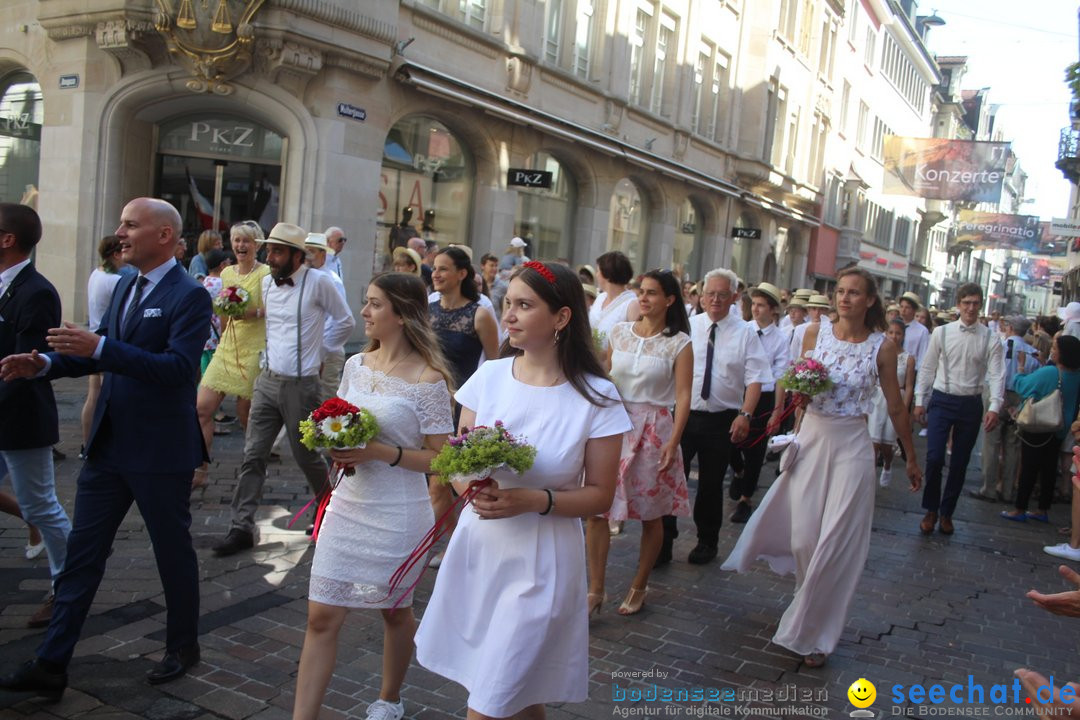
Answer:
(652, 365)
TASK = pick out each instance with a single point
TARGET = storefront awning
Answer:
(444, 86)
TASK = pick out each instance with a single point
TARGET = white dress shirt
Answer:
(320, 302)
(797, 335)
(738, 360)
(916, 341)
(333, 265)
(8, 276)
(970, 358)
(775, 345)
(785, 322)
(152, 279)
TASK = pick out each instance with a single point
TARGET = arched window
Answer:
(627, 224)
(21, 117)
(743, 250)
(544, 215)
(425, 185)
(686, 258)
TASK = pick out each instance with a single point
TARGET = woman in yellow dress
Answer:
(236, 362)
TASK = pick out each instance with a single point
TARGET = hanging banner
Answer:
(986, 231)
(941, 169)
(1065, 227)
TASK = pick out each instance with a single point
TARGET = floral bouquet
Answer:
(806, 377)
(470, 457)
(340, 425)
(599, 339)
(231, 302)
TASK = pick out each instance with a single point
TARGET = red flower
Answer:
(334, 407)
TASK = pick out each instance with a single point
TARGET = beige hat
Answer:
(589, 269)
(796, 302)
(316, 241)
(912, 297)
(803, 293)
(463, 248)
(893, 308)
(287, 234)
(413, 257)
(590, 290)
(769, 290)
(818, 301)
(945, 316)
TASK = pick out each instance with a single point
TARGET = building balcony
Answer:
(1068, 161)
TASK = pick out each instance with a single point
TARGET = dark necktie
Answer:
(133, 308)
(760, 332)
(706, 382)
(1008, 354)
(283, 281)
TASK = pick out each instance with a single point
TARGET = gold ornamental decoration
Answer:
(213, 38)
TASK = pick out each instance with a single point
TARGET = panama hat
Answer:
(912, 298)
(289, 235)
(411, 255)
(803, 293)
(819, 301)
(590, 290)
(316, 241)
(893, 308)
(768, 290)
(796, 302)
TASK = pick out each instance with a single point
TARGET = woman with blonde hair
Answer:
(208, 240)
(235, 364)
(379, 514)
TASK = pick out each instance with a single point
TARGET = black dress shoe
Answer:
(742, 513)
(701, 554)
(234, 542)
(734, 490)
(664, 557)
(31, 677)
(173, 665)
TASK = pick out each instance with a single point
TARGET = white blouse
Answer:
(643, 368)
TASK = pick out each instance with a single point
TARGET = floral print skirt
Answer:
(643, 492)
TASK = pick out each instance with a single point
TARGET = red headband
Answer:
(542, 269)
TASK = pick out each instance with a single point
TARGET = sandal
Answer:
(633, 602)
(595, 601)
(816, 660)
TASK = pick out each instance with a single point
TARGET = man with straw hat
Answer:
(817, 309)
(305, 314)
(802, 295)
(916, 337)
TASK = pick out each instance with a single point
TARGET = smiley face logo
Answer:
(862, 693)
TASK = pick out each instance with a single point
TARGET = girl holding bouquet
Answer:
(377, 515)
(507, 618)
(815, 520)
(652, 365)
(235, 365)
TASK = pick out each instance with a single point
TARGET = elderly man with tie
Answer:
(729, 369)
(962, 357)
(305, 314)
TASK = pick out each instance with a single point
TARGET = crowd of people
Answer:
(620, 381)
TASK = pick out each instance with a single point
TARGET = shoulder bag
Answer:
(1043, 415)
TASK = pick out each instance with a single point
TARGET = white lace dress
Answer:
(881, 427)
(815, 520)
(377, 516)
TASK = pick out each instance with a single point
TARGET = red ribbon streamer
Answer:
(323, 499)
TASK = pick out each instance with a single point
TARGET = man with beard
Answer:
(305, 313)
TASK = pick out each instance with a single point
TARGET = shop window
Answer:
(544, 215)
(627, 225)
(686, 258)
(21, 116)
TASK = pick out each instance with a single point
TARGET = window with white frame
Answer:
(853, 21)
(583, 37)
(662, 62)
(877, 148)
(834, 199)
(827, 57)
(845, 103)
(862, 132)
(806, 28)
(791, 141)
(870, 49)
(720, 92)
(553, 31)
(901, 72)
(697, 87)
(642, 21)
(789, 10)
(902, 236)
(775, 123)
(473, 12)
(818, 137)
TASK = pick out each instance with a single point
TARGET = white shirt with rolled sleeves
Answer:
(738, 360)
(916, 341)
(321, 302)
(774, 343)
(970, 358)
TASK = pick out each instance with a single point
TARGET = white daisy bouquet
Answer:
(338, 424)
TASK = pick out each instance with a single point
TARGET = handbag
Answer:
(1043, 415)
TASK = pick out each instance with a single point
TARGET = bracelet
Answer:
(398, 458)
(551, 502)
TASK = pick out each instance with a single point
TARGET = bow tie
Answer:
(968, 328)
(283, 281)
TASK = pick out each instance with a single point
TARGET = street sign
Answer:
(67, 82)
(351, 111)
(746, 233)
(520, 177)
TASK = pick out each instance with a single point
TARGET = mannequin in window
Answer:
(400, 233)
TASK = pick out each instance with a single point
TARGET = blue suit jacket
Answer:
(146, 417)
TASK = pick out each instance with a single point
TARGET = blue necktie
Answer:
(134, 306)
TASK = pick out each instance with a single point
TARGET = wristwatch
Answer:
(746, 415)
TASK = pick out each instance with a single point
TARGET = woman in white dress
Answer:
(815, 520)
(882, 432)
(615, 303)
(378, 515)
(99, 292)
(507, 617)
(652, 365)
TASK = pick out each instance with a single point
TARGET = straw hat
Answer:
(796, 302)
(818, 301)
(316, 241)
(803, 293)
(411, 255)
(590, 290)
(912, 297)
(767, 290)
(289, 235)
(463, 248)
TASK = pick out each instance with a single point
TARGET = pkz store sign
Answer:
(220, 136)
(746, 233)
(520, 177)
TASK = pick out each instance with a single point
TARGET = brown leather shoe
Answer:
(928, 522)
(946, 526)
(43, 615)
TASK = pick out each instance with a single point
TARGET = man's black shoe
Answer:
(742, 513)
(173, 665)
(664, 557)
(31, 677)
(701, 554)
(234, 542)
(734, 490)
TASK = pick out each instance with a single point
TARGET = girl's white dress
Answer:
(377, 516)
(881, 427)
(604, 319)
(507, 618)
(815, 520)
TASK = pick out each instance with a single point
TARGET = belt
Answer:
(280, 376)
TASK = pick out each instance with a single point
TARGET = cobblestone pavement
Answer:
(928, 610)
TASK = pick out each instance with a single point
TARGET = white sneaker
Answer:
(922, 433)
(383, 710)
(32, 551)
(1064, 550)
(885, 478)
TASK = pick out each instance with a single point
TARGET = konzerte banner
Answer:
(993, 230)
(944, 169)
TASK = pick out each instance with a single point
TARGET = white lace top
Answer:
(852, 369)
(605, 318)
(643, 368)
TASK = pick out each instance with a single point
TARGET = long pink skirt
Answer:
(643, 492)
(815, 521)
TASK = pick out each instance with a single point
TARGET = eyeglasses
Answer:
(720, 295)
